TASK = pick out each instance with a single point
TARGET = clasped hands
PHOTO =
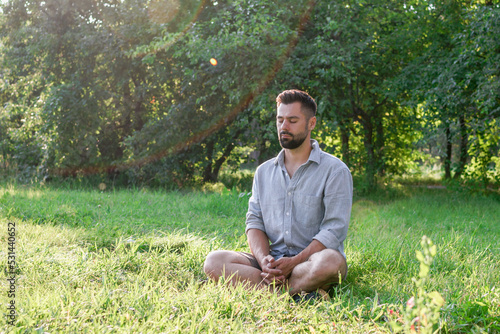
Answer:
(277, 271)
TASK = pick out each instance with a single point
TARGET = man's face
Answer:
(293, 126)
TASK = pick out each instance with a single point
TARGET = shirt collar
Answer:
(314, 156)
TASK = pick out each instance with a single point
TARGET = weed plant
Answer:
(130, 261)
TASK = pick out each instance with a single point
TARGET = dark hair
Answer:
(294, 95)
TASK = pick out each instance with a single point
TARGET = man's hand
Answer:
(270, 274)
(285, 265)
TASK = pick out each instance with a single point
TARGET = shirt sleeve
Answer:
(338, 203)
(254, 215)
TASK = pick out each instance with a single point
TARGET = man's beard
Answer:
(294, 142)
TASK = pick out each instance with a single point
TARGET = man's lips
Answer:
(285, 135)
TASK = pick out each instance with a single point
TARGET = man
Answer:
(298, 214)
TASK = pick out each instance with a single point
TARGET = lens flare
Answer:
(221, 122)
(163, 11)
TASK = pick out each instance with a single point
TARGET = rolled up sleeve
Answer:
(337, 202)
(254, 215)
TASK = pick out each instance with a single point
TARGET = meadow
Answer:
(130, 261)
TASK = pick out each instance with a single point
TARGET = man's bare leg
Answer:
(233, 266)
(320, 271)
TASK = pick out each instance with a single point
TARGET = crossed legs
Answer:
(320, 271)
(233, 266)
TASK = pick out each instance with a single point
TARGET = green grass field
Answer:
(130, 261)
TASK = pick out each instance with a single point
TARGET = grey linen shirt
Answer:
(314, 204)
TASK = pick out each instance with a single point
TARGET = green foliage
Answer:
(456, 75)
(351, 58)
(422, 310)
(240, 180)
(210, 111)
(484, 149)
(126, 87)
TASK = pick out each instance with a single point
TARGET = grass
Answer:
(131, 261)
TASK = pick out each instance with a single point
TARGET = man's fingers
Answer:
(270, 276)
(271, 279)
(268, 259)
(273, 264)
(268, 281)
(267, 278)
(273, 272)
(266, 275)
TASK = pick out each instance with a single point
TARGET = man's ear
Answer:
(312, 123)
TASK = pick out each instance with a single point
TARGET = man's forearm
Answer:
(259, 244)
(287, 264)
(314, 247)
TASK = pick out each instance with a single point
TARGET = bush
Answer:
(240, 180)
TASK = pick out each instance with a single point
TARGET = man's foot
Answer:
(312, 296)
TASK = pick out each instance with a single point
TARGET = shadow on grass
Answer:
(170, 244)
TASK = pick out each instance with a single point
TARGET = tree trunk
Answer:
(379, 147)
(344, 135)
(218, 164)
(211, 171)
(370, 154)
(207, 172)
(447, 159)
(463, 147)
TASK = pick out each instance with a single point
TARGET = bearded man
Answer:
(298, 214)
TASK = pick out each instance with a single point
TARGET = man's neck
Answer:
(297, 157)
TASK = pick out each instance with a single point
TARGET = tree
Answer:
(350, 57)
(88, 92)
(458, 66)
(98, 86)
(212, 107)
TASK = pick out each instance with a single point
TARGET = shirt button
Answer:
(289, 193)
(288, 213)
(286, 232)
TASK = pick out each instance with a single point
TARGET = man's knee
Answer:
(329, 264)
(217, 262)
(214, 262)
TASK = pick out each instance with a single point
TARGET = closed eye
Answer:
(290, 119)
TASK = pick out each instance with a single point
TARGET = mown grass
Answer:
(131, 261)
